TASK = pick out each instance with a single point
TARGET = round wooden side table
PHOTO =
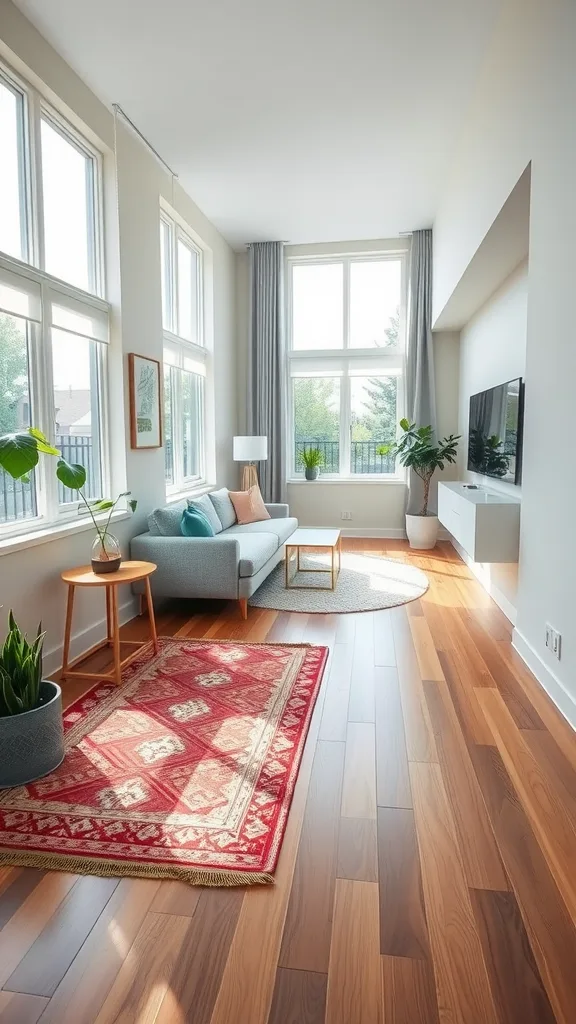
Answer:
(129, 572)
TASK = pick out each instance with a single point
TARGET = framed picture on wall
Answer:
(144, 378)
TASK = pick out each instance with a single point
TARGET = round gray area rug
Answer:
(365, 583)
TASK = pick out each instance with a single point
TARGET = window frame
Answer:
(343, 359)
(51, 512)
(184, 348)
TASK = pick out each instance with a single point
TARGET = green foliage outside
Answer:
(13, 374)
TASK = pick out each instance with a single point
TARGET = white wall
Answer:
(492, 351)
(524, 111)
(29, 579)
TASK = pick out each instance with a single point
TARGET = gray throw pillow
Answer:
(205, 505)
(224, 507)
(165, 522)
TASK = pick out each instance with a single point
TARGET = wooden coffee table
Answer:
(302, 539)
(83, 576)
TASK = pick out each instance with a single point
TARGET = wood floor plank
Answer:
(335, 716)
(461, 978)
(520, 707)
(358, 850)
(177, 898)
(554, 763)
(143, 980)
(551, 818)
(26, 924)
(550, 929)
(384, 653)
(473, 722)
(392, 778)
(195, 979)
(354, 981)
(359, 787)
(361, 705)
(21, 882)
(306, 938)
(482, 864)
(18, 1008)
(46, 962)
(245, 993)
(426, 654)
(409, 992)
(547, 711)
(86, 984)
(299, 998)
(518, 991)
(420, 743)
(403, 927)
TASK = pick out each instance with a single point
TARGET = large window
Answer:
(346, 361)
(53, 318)
(185, 357)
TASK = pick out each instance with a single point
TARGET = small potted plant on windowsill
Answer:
(19, 454)
(31, 730)
(416, 450)
(311, 459)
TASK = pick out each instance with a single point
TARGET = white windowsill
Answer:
(194, 492)
(387, 481)
(17, 542)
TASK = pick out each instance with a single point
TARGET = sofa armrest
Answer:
(190, 566)
(277, 510)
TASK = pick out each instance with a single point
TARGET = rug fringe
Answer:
(120, 869)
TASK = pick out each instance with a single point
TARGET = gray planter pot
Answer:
(32, 744)
(312, 473)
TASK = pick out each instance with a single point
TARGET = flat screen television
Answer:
(495, 431)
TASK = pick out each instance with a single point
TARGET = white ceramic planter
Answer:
(422, 531)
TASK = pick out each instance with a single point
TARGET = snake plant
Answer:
(20, 671)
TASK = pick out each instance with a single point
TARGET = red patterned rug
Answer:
(185, 771)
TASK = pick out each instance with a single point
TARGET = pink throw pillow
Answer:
(249, 506)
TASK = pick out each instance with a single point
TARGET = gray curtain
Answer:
(266, 363)
(420, 383)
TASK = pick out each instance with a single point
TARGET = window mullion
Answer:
(37, 255)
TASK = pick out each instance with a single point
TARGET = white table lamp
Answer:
(250, 450)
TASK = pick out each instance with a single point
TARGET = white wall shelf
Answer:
(485, 523)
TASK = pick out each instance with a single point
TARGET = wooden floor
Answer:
(428, 872)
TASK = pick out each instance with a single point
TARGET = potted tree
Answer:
(31, 730)
(416, 450)
(312, 459)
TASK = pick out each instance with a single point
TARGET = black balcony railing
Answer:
(18, 498)
(364, 457)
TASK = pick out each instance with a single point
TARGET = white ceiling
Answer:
(300, 120)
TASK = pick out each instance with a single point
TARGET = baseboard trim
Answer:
(391, 534)
(556, 690)
(497, 596)
(86, 638)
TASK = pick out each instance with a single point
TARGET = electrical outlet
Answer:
(346, 515)
(553, 641)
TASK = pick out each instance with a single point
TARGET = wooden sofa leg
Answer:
(243, 602)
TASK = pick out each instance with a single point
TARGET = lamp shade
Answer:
(250, 449)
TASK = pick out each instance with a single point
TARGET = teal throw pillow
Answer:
(195, 524)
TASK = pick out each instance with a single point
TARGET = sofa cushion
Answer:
(204, 504)
(249, 506)
(282, 529)
(223, 506)
(255, 550)
(195, 524)
(165, 522)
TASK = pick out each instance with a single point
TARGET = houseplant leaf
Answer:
(71, 474)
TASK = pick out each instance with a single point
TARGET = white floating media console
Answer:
(485, 523)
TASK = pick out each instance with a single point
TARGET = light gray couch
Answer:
(231, 565)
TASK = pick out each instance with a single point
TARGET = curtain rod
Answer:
(118, 110)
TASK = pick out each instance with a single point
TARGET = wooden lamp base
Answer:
(249, 477)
